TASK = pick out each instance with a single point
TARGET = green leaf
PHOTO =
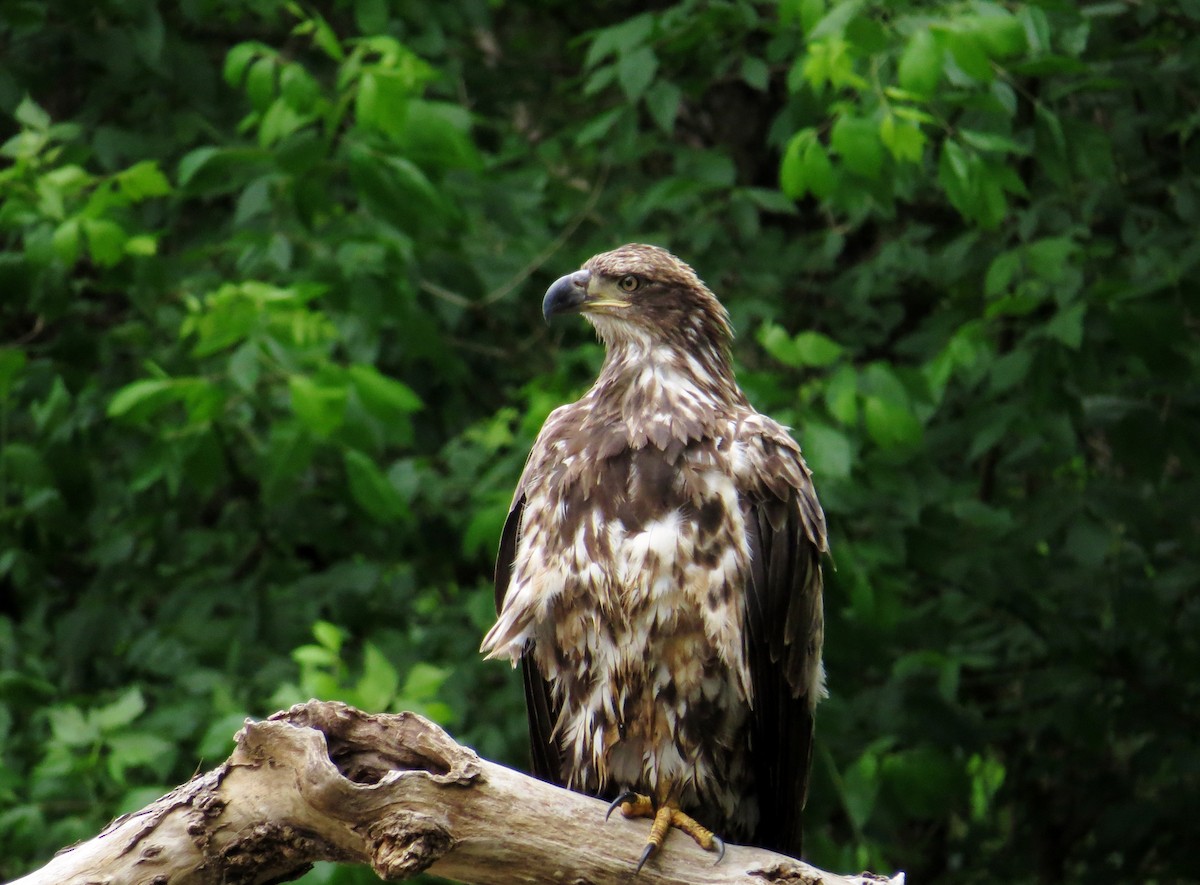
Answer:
(975, 187)
(987, 776)
(280, 120)
(142, 245)
(298, 88)
(384, 397)
(424, 681)
(815, 349)
(923, 780)
(244, 367)
(379, 102)
(598, 127)
(321, 407)
(834, 21)
(260, 83)
(856, 141)
(140, 398)
(329, 636)
(829, 61)
(1002, 35)
(619, 38)
(69, 727)
(12, 362)
(920, 66)
(769, 200)
(1048, 257)
(887, 412)
(371, 16)
(827, 450)
(991, 141)
(143, 180)
(31, 115)
(106, 241)
(793, 180)
(966, 354)
(370, 488)
(437, 135)
(599, 80)
(202, 399)
(969, 55)
(635, 71)
(808, 348)
(662, 101)
(192, 162)
(237, 60)
(1037, 28)
(867, 37)
(890, 423)
(323, 35)
(315, 656)
(120, 712)
(288, 453)
(483, 530)
(810, 12)
(860, 787)
(841, 395)
(1010, 370)
(904, 140)
(1000, 272)
(806, 167)
(138, 750)
(379, 681)
(1067, 325)
(70, 179)
(226, 317)
(819, 174)
(755, 73)
(66, 241)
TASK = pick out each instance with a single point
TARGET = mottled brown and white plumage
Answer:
(659, 573)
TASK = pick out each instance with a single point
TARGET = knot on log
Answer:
(407, 843)
(271, 846)
(789, 874)
(367, 748)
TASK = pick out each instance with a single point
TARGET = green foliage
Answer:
(271, 359)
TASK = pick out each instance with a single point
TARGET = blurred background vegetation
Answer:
(271, 359)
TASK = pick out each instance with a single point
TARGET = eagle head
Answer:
(642, 294)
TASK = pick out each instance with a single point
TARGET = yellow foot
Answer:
(635, 805)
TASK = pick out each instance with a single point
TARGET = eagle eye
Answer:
(629, 283)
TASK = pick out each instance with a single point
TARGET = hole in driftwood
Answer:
(369, 765)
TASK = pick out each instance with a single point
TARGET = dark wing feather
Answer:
(784, 631)
(544, 753)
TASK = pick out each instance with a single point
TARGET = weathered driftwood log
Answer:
(324, 781)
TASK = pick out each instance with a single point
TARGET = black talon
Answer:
(645, 856)
(624, 796)
(720, 843)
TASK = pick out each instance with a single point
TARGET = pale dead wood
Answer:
(324, 781)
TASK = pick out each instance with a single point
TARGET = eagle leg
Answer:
(666, 816)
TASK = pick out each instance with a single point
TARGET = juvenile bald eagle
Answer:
(659, 573)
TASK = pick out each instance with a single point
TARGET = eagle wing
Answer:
(545, 756)
(785, 531)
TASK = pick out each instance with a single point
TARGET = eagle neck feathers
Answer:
(664, 393)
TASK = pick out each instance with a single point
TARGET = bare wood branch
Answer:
(324, 781)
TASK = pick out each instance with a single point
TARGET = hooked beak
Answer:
(566, 295)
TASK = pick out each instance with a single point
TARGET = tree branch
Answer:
(324, 781)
